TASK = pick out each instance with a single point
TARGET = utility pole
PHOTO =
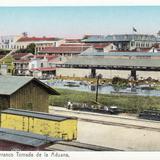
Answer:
(98, 77)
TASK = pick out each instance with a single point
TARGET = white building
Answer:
(8, 42)
(40, 42)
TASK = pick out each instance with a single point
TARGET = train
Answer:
(150, 115)
(97, 108)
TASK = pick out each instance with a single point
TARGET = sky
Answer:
(74, 22)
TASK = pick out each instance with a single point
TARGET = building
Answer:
(24, 93)
(21, 63)
(40, 67)
(8, 42)
(40, 42)
(72, 41)
(40, 123)
(13, 140)
(100, 47)
(125, 41)
(6, 65)
(67, 51)
(123, 64)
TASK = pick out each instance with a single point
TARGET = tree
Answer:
(30, 49)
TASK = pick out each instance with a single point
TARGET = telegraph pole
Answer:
(98, 77)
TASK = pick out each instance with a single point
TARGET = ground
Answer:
(119, 132)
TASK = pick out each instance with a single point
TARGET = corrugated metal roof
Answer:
(39, 115)
(134, 54)
(121, 37)
(10, 84)
(25, 138)
(101, 61)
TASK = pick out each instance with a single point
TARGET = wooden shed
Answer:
(24, 93)
(55, 126)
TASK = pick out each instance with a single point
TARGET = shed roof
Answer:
(39, 115)
(121, 37)
(25, 138)
(95, 61)
(10, 84)
(134, 54)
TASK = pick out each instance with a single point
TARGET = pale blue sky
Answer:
(77, 21)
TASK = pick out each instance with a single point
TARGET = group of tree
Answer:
(30, 49)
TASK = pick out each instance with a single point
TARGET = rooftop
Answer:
(134, 54)
(21, 55)
(121, 37)
(108, 62)
(44, 69)
(25, 138)
(64, 49)
(28, 39)
(10, 84)
(40, 115)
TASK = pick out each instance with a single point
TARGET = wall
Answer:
(66, 129)
(4, 102)
(71, 72)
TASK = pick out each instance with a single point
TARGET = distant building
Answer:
(125, 41)
(72, 41)
(67, 50)
(21, 63)
(40, 67)
(8, 42)
(40, 42)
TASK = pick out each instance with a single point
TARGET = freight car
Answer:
(40, 123)
(97, 108)
(150, 115)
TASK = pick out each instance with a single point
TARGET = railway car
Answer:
(150, 115)
(94, 108)
(40, 123)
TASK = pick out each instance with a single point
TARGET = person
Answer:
(69, 105)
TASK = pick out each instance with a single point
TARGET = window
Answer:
(41, 64)
(32, 65)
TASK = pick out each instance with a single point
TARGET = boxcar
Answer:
(40, 123)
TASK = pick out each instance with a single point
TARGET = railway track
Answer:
(77, 113)
(120, 124)
(78, 146)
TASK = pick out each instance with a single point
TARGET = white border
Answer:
(79, 2)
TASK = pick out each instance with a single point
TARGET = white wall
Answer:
(106, 73)
(37, 63)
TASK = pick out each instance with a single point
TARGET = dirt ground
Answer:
(120, 132)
